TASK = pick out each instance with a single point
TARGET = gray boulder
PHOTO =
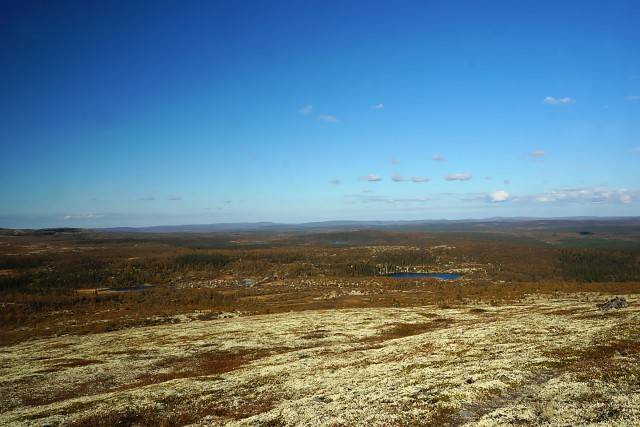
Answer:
(616, 303)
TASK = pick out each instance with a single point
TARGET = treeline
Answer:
(215, 260)
(116, 264)
(129, 265)
(14, 262)
(47, 283)
(60, 271)
(167, 297)
(600, 265)
(19, 308)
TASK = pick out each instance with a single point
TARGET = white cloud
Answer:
(497, 196)
(371, 178)
(395, 161)
(305, 111)
(458, 177)
(328, 119)
(633, 98)
(550, 100)
(594, 195)
(174, 197)
(335, 181)
(420, 179)
(377, 106)
(625, 197)
(397, 177)
(83, 216)
(438, 158)
(359, 198)
(537, 153)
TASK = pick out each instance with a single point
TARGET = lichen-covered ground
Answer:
(548, 361)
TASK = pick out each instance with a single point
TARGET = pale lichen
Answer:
(532, 362)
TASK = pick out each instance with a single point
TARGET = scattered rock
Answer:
(467, 415)
(616, 303)
(321, 399)
(431, 396)
(503, 377)
(470, 381)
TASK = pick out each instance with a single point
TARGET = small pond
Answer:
(127, 289)
(442, 276)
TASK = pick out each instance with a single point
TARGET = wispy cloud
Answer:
(305, 111)
(371, 178)
(497, 196)
(174, 197)
(438, 158)
(537, 153)
(366, 199)
(395, 161)
(148, 198)
(377, 106)
(594, 195)
(636, 150)
(633, 98)
(397, 177)
(550, 100)
(420, 179)
(335, 181)
(328, 119)
(82, 216)
(458, 177)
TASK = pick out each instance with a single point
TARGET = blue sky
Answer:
(164, 112)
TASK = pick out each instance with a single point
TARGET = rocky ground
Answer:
(547, 360)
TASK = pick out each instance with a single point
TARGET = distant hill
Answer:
(581, 223)
(40, 231)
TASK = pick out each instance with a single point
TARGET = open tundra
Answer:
(546, 360)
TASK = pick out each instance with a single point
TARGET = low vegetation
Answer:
(308, 329)
(542, 361)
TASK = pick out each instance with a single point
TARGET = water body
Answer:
(127, 289)
(442, 276)
(339, 242)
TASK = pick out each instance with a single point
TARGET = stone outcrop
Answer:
(616, 303)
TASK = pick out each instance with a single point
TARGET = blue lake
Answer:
(443, 276)
(127, 289)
